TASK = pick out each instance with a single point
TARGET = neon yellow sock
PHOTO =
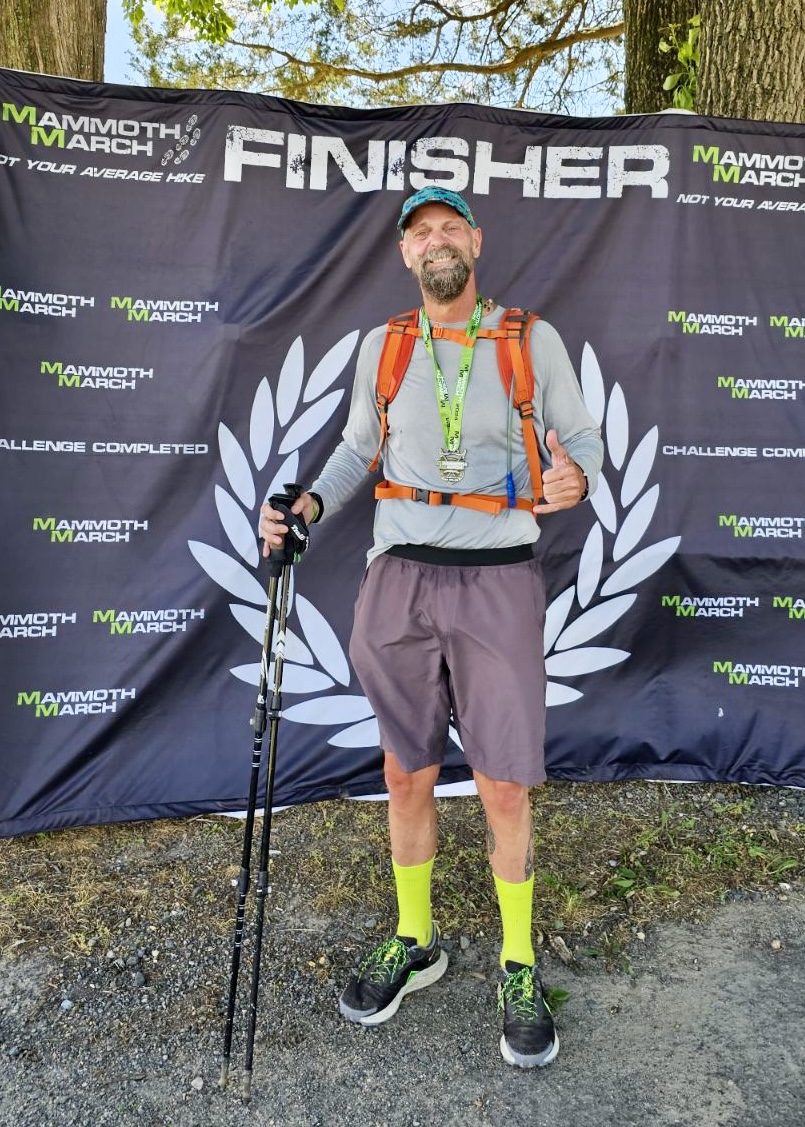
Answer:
(516, 905)
(413, 900)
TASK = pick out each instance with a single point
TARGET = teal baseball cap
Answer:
(434, 194)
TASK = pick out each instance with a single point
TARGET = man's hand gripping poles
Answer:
(266, 714)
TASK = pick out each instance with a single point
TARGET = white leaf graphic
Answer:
(365, 734)
(587, 660)
(289, 384)
(330, 710)
(236, 467)
(254, 623)
(330, 367)
(603, 503)
(592, 384)
(636, 523)
(295, 679)
(242, 536)
(311, 422)
(322, 640)
(227, 572)
(288, 472)
(590, 564)
(298, 679)
(296, 650)
(639, 467)
(556, 617)
(594, 622)
(560, 694)
(248, 673)
(261, 425)
(640, 566)
(455, 737)
(617, 427)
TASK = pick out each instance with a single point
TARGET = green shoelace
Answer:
(518, 991)
(385, 961)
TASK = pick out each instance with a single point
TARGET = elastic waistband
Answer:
(463, 557)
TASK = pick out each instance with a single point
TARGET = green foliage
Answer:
(675, 855)
(549, 56)
(556, 999)
(685, 45)
(208, 19)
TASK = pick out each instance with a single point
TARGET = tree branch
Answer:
(459, 17)
(534, 54)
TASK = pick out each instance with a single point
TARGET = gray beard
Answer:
(445, 285)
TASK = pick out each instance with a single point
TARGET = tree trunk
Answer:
(752, 59)
(646, 68)
(64, 37)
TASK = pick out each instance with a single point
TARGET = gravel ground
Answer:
(699, 1025)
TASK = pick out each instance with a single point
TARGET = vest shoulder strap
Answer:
(514, 362)
(401, 332)
(514, 354)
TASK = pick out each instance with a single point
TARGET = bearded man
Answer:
(450, 615)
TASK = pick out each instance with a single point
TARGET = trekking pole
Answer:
(244, 877)
(262, 889)
(279, 566)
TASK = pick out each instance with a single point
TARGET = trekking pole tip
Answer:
(223, 1079)
(246, 1088)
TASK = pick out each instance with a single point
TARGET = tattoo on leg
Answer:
(490, 839)
(529, 860)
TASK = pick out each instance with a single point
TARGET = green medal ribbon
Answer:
(452, 414)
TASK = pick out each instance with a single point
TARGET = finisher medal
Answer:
(451, 465)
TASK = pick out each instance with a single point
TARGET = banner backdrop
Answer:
(184, 281)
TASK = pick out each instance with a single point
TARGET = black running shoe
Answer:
(529, 1036)
(385, 976)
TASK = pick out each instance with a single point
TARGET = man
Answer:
(450, 615)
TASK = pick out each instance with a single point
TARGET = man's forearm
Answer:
(341, 477)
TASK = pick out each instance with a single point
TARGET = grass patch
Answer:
(70, 889)
(611, 861)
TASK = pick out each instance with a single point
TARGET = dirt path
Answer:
(706, 1031)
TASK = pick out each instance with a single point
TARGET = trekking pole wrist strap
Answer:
(318, 507)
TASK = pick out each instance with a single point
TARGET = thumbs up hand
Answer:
(564, 483)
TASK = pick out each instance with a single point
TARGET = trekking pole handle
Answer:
(297, 538)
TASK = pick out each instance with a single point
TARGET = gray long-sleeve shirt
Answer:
(415, 439)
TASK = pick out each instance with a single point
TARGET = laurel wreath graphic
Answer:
(627, 518)
(315, 663)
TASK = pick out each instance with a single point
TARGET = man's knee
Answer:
(408, 786)
(503, 799)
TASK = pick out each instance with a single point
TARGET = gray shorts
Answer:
(431, 639)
